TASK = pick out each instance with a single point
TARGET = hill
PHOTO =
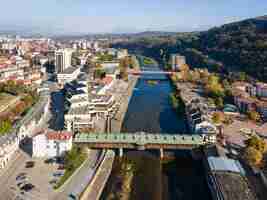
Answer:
(234, 47)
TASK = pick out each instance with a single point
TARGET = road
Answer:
(76, 180)
(95, 189)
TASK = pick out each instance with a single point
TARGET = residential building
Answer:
(261, 89)
(63, 59)
(51, 144)
(249, 97)
(9, 144)
(198, 111)
(122, 53)
(177, 61)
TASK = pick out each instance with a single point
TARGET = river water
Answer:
(150, 110)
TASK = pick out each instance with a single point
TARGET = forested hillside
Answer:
(239, 46)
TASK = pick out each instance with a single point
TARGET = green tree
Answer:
(99, 73)
(242, 76)
(5, 126)
(219, 102)
(252, 156)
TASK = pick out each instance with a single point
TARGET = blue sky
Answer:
(98, 16)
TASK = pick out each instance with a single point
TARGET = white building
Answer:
(9, 144)
(177, 61)
(122, 53)
(51, 144)
(69, 74)
(107, 65)
(63, 59)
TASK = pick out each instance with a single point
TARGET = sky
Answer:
(124, 16)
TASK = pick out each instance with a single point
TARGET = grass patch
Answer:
(148, 61)
(177, 103)
(73, 160)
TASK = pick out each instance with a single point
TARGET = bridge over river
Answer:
(140, 141)
(150, 72)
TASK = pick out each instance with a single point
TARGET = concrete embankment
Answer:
(95, 188)
(102, 174)
(116, 122)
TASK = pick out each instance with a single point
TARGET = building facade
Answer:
(177, 61)
(51, 144)
(62, 59)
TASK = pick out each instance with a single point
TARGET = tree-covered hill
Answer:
(238, 46)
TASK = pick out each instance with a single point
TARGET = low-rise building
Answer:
(122, 53)
(51, 144)
(227, 179)
(9, 144)
(177, 61)
(261, 89)
(249, 97)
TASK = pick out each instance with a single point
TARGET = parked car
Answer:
(61, 167)
(56, 174)
(29, 164)
(20, 184)
(50, 161)
(53, 181)
(27, 187)
(21, 176)
(60, 160)
(72, 197)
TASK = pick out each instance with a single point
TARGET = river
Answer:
(150, 111)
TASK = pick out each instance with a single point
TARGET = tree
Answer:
(218, 117)
(254, 116)
(213, 87)
(219, 102)
(242, 76)
(257, 143)
(5, 126)
(252, 156)
(99, 73)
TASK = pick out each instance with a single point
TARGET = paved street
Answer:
(40, 176)
(97, 185)
(76, 180)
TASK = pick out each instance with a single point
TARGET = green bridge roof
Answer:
(139, 139)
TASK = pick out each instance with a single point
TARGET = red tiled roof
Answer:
(107, 80)
(59, 135)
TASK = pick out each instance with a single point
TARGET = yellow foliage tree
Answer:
(252, 156)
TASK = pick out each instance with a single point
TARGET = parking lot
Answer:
(31, 179)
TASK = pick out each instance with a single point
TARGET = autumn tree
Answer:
(217, 117)
(254, 116)
(257, 143)
(213, 87)
(252, 156)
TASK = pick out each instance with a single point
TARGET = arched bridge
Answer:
(140, 141)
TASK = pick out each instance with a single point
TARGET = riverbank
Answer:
(116, 122)
(131, 178)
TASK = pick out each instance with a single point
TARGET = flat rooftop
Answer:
(233, 186)
(79, 110)
(69, 70)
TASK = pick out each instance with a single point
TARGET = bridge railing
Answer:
(140, 139)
